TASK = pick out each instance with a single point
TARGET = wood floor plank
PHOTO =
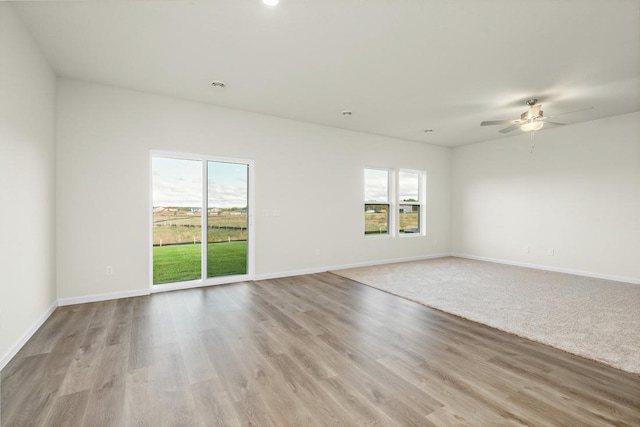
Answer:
(361, 409)
(213, 404)
(141, 397)
(106, 399)
(223, 359)
(81, 374)
(293, 344)
(447, 417)
(575, 389)
(25, 406)
(308, 350)
(314, 399)
(281, 401)
(68, 410)
(119, 327)
(175, 403)
(447, 389)
(57, 328)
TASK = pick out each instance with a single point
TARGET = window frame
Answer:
(391, 215)
(394, 202)
(421, 203)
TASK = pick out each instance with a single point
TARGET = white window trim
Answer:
(422, 197)
(391, 197)
(394, 203)
(204, 281)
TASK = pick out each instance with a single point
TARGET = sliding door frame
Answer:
(204, 280)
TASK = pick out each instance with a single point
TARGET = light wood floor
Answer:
(302, 351)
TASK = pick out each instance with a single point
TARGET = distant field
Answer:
(170, 229)
(376, 222)
(180, 263)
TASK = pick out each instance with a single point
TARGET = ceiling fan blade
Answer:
(546, 122)
(498, 122)
(510, 128)
(570, 112)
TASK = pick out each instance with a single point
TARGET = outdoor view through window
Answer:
(409, 197)
(379, 199)
(178, 196)
(376, 201)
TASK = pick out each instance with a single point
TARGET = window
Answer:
(410, 202)
(376, 202)
(381, 204)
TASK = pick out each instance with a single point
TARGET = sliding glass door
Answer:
(227, 218)
(177, 220)
(196, 200)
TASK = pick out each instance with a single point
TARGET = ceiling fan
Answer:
(530, 120)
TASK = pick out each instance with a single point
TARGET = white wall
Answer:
(27, 192)
(578, 193)
(312, 174)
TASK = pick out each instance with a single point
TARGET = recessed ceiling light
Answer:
(270, 2)
(347, 113)
(218, 84)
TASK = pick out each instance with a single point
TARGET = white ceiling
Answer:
(401, 66)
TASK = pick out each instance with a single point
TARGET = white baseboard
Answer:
(27, 335)
(223, 280)
(632, 280)
(233, 279)
(389, 261)
(103, 297)
(291, 273)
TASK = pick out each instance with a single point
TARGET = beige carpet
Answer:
(594, 318)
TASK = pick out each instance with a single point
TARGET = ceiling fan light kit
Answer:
(531, 126)
(531, 120)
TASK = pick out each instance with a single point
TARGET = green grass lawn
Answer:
(179, 263)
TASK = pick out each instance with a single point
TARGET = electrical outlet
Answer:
(109, 270)
(527, 249)
(550, 252)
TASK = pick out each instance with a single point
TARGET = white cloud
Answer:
(178, 182)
